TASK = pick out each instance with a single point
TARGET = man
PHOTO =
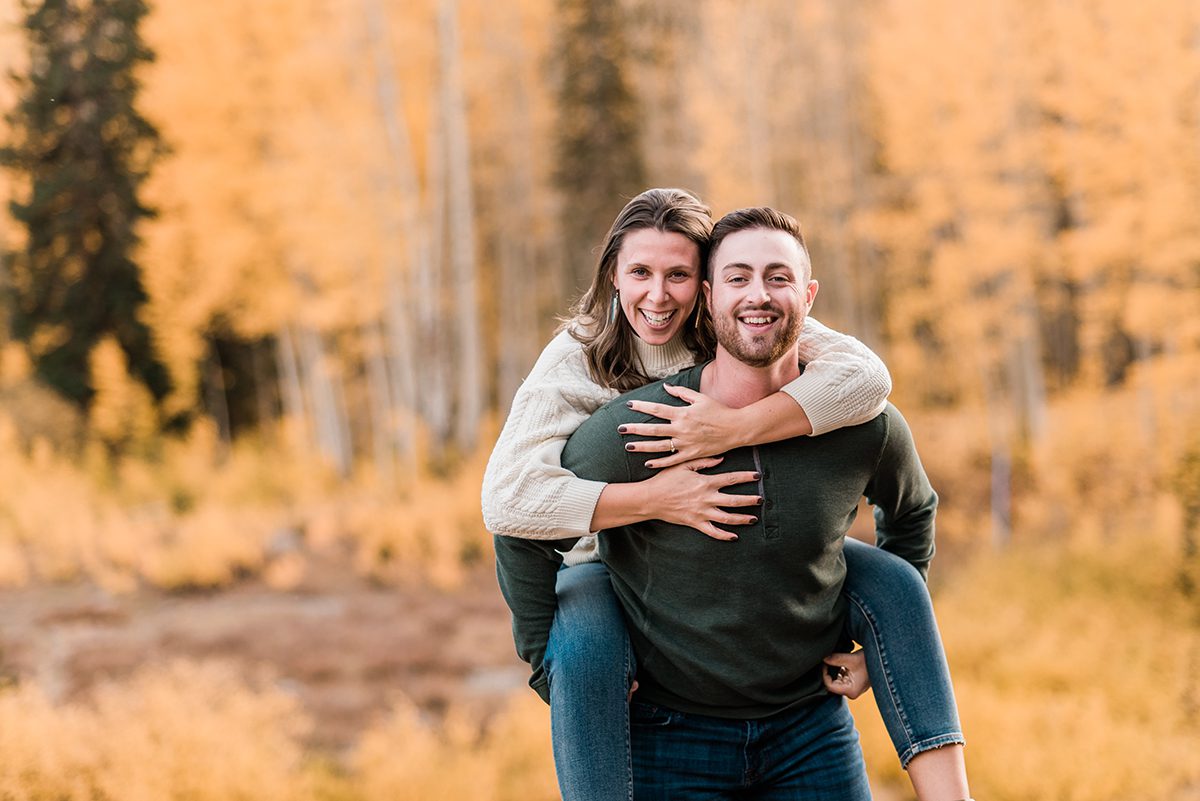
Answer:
(729, 638)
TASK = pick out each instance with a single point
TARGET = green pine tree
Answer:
(599, 158)
(82, 150)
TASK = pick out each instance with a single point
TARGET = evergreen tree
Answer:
(600, 162)
(82, 151)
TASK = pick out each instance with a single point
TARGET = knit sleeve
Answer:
(526, 491)
(844, 383)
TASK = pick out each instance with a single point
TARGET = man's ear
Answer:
(810, 293)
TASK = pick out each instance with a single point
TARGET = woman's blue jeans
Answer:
(590, 666)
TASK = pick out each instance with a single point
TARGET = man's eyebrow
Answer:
(775, 265)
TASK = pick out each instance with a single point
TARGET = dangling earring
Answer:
(615, 306)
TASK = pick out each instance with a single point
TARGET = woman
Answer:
(644, 318)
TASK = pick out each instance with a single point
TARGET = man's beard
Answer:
(758, 350)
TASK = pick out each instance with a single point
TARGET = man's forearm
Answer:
(909, 536)
(527, 572)
(905, 503)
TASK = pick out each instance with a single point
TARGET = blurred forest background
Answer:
(272, 272)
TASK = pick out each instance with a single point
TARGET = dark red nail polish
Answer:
(629, 447)
(621, 429)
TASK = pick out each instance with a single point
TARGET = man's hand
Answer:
(849, 674)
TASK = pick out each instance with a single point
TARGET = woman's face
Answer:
(658, 277)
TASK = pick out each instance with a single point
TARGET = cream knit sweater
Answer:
(526, 491)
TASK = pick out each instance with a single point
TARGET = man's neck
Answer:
(737, 384)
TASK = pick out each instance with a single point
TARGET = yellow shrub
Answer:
(177, 733)
(409, 759)
(207, 548)
(1071, 666)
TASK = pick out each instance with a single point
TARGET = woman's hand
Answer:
(704, 427)
(686, 497)
(850, 674)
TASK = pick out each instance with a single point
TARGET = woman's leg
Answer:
(891, 616)
(590, 666)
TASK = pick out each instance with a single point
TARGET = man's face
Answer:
(759, 294)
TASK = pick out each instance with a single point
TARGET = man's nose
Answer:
(757, 292)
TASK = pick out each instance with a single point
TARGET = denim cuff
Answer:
(929, 744)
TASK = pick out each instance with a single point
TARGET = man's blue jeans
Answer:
(590, 665)
(809, 753)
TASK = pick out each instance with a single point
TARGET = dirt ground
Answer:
(343, 645)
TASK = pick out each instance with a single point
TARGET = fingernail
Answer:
(622, 429)
(753, 520)
(760, 500)
(734, 539)
(629, 447)
(757, 476)
(629, 404)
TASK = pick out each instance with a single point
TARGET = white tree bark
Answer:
(295, 410)
(401, 205)
(324, 384)
(464, 292)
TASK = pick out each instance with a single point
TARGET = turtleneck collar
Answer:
(660, 361)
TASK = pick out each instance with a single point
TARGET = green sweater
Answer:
(733, 629)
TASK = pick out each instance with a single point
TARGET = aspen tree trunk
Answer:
(295, 411)
(214, 384)
(509, 197)
(999, 409)
(464, 301)
(756, 122)
(430, 289)
(664, 40)
(517, 319)
(262, 383)
(328, 403)
(381, 404)
(5, 332)
(402, 226)
(1025, 367)
(864, 278)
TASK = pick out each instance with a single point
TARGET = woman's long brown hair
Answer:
(608, 344)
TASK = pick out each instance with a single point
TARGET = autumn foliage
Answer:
(369, 214)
